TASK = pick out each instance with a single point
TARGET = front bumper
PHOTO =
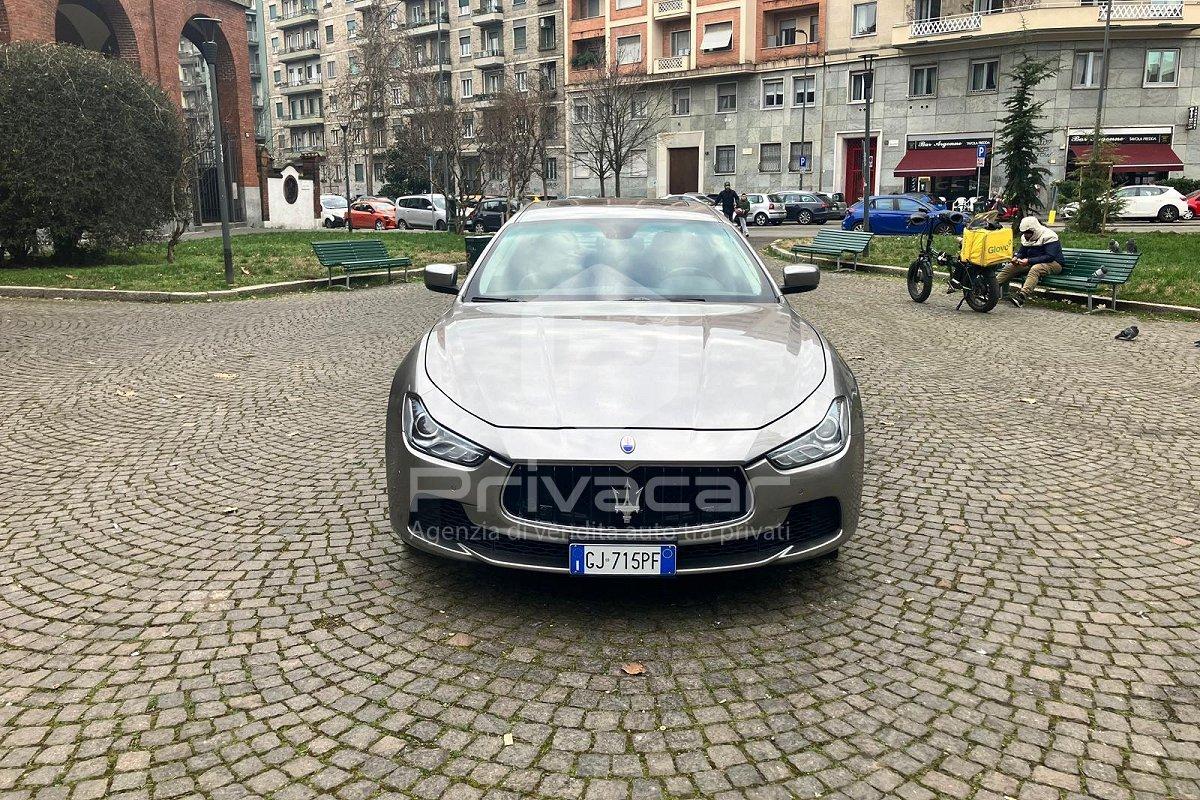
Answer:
(791, 516)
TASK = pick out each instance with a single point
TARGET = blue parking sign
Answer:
(803, 162)
(981, 153)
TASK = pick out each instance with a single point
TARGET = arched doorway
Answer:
(99, 25)
(196, 100)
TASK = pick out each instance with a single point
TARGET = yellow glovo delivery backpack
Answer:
(986, 247)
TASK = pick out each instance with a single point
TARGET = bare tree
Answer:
(382, 59)
(182, 198)
(513, 133)
(614, 116)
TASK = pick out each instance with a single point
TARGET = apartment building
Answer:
(258, 69)
(745, 107)
(474, 46)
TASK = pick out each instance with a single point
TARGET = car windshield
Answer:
(619, 259)
(334, 202)
(439, 201)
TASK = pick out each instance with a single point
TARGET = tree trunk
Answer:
(617, 182)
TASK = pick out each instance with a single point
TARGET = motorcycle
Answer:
(980, 288)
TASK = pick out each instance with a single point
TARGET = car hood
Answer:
(625, 364)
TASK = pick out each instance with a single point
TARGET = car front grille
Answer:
(600, 497)
(445, 522)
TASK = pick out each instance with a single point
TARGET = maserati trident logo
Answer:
(627, 444)
(627, 501)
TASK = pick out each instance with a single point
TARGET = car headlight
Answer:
(425, 434)
(827, 439)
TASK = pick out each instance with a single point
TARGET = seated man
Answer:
(1039, 254)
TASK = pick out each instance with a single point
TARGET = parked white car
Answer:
(764, 210)
(333, 211)
(1145, 202)
(421, 211)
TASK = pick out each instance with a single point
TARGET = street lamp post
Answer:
(208, 26)
(345, 126)
(803, 107)
(868, 90)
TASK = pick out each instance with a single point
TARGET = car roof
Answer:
(616, 207)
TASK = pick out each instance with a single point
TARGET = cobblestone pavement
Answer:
(200, 595)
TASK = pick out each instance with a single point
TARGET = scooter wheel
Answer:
(920, 281)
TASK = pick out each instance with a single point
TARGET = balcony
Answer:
(491, 57)
(489, 13)
(1045, 18)
(297, 16)
(299, 86)
(668, 9)
(672, 64)
(427, 65)
(298, 52)
(427, 25)
(315, 118)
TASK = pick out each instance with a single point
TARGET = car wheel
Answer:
(477, 227)
(1189, 214)
(327, 223)
(1168, 214)
(760, 219)
(857, 227)
(378, 224)
(402, 224)
(943, 229)
(441, 225)
(805, 217)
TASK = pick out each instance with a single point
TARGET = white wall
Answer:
(298, 215)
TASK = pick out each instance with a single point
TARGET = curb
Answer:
(1053, 294)
(145, 296)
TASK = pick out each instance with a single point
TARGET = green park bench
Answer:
(357, 255)
(835, 243)
(1082, 264)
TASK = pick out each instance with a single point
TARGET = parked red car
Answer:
(372, 214)
(1193, 201)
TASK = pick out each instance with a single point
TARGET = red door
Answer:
(854, 171)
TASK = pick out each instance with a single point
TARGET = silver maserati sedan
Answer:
(620, 388)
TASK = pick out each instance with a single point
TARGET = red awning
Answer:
(950, 161)
(1136, 157)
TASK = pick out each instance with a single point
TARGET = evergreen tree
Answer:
(1021, 137)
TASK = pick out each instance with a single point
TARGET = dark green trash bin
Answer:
(475, 245)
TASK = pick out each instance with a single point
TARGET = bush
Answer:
(1184, 186)
(91, 150)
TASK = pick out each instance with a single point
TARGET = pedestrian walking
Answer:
(728, 200)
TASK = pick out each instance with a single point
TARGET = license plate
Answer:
(622, 559)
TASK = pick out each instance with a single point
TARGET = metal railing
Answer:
(1122, 10)
(670, 63)
(303, 11)
(957, 23)
(665, 7)
(1170, 9)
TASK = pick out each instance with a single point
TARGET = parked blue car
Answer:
(928, 200)
(890, 213)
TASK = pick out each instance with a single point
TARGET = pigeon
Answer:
(1099, 274)
(1128, 335)
(1114, 246)
(1131, 247)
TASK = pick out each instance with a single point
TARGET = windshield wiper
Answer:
(480, 298)
(670, 298)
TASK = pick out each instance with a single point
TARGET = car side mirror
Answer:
(441, 278)
(800, 278)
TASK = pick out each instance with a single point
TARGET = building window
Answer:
(984, 76)
(581, 112)
(547, 39)
(681, 43)
(493, 81)
(278, 76)
(640, 105)
(770, 157)
(549, 76)
(1161, 67)
(550, 170)
(589, 9)
(681, 102)
(628, 3)
(859, 84)
(726, 97)
(800, 153)
(864, 19)
(804, 90)
(466, 87)
(773, 93)
(580, 169)
(328, 34)
(464, 46)
(1088, 68)
(725, 159)
(279, 111)
(272, 12)
(922, 81)
(468, 126)
(519, 38)
(717, 36)
(351, 28)
(629, 49)
(785, 33)
(358, 172)
(522, 80)
(330, 69)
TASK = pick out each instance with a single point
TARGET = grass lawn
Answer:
(257, 258)
(1168, 272)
